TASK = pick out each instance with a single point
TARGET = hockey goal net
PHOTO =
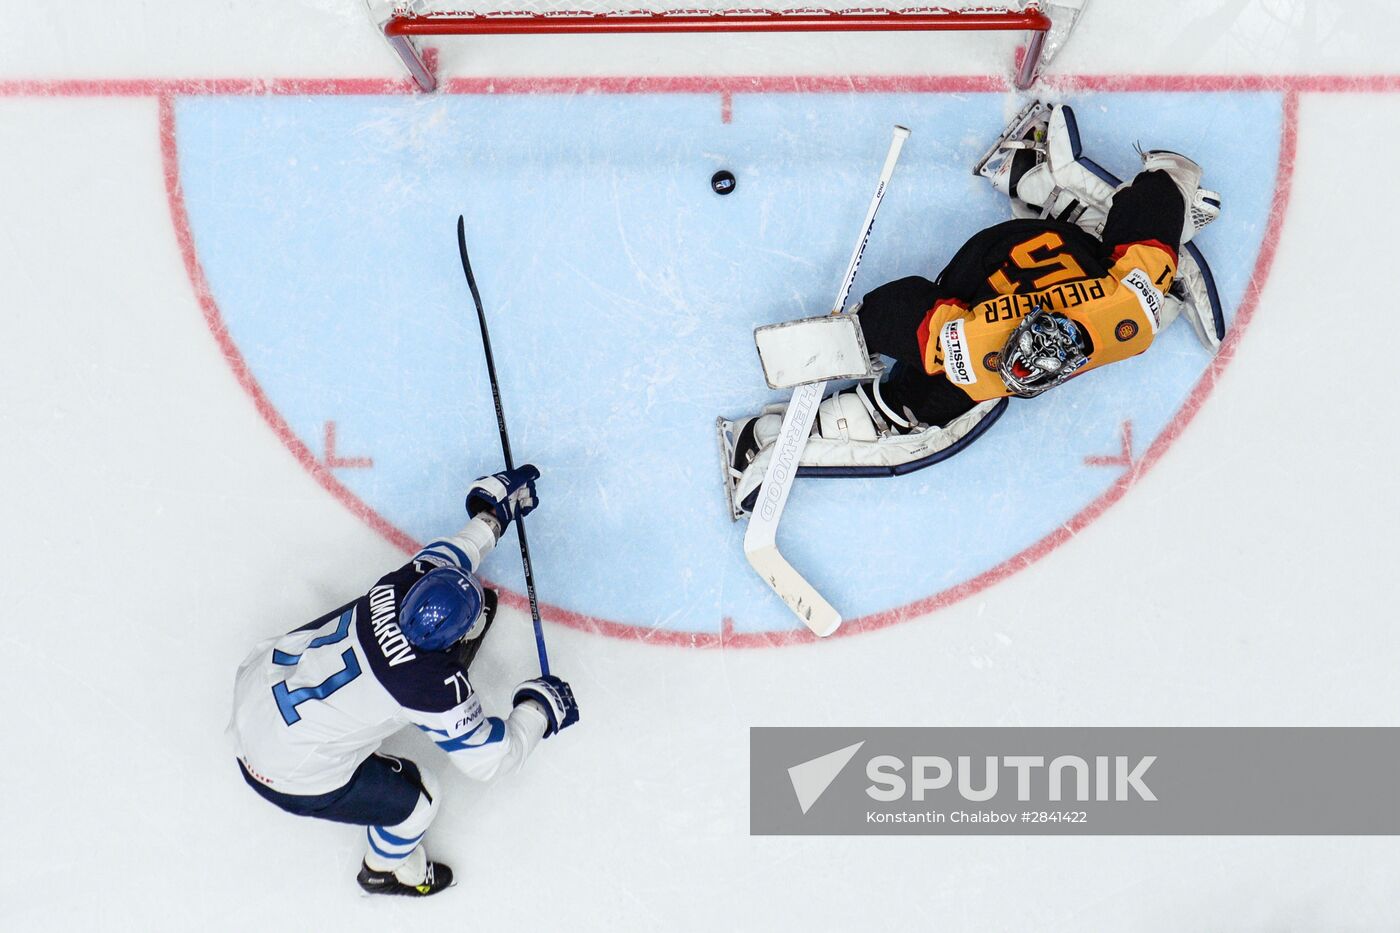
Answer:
(1046, 24)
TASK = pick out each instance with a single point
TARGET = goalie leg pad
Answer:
(842, 417)
(1082, 176)
(845, 417)
(1043, 196)
(846, 442)
(1183, 171)
(1062, 183)
(1065, 184)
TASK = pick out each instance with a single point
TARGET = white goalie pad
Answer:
(845, 443)
(1068, 185)
(818, 349)
(1063, 183)
(891, 450)
(1068, 167)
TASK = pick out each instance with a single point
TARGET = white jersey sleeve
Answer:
(466, 549)
(484, 747)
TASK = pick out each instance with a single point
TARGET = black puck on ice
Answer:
(723, 182)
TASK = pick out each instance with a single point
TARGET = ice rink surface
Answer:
(241, 377)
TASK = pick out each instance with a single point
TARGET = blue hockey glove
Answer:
(507, 495)
(554, 696)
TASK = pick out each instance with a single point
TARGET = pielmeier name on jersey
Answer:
(311, 705)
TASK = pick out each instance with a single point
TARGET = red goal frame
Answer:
(401, 29)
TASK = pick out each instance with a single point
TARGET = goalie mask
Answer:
(1044, 350)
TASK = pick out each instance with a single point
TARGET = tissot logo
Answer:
(1139, 283)
(955, 361)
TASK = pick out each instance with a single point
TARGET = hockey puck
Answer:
(723, 182)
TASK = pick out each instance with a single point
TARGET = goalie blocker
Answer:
(857, 432)
(815, 349)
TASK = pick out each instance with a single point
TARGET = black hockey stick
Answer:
(505, 440)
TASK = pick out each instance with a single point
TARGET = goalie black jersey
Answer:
(1113, 287)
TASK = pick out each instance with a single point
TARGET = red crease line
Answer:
(726, 637)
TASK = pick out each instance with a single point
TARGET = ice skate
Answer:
(1025, 132)
(416, 877)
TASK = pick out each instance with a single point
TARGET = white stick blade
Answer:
(801, 597)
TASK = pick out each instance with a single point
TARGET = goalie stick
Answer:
(760, 540)
(505, 441)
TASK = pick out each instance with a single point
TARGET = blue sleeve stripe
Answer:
(498, 732)
(432, 558)
(428, 729)
(286, 660)
(393, 840)
(459, 556)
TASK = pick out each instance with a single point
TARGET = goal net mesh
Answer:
(1046, 23)
(526, 9)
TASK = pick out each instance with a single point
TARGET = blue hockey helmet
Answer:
(442, 608)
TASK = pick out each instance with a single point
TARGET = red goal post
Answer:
(1045, 24)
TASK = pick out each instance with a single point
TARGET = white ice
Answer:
(154, 528)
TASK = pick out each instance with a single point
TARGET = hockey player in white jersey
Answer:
(312, 706)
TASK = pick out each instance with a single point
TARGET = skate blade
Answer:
(725, 429)
(1013, 132)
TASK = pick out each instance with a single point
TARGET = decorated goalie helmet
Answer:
(1044, 350)
(444, 607)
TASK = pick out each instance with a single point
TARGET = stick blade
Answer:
(801, 597)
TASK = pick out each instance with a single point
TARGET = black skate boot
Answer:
(417, 877)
